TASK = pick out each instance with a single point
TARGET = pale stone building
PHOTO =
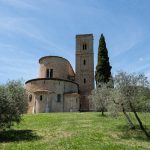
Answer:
(59, 88)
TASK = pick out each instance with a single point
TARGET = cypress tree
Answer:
(103, 68)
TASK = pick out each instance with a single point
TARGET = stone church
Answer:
(59, 88)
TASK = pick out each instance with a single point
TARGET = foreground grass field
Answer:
(73, 131)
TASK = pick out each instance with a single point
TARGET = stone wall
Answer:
(55, 97)
(85, 68)
(71, 102)
(61, 67)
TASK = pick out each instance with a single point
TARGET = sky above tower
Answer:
(30, 29)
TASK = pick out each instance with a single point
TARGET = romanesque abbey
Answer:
(59, 88)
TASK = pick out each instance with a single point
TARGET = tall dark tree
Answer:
(103, 68)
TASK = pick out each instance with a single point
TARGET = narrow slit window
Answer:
(84, 62)
(51, 73)
(47, 73)
(84, 80)
(41, 97)
(76, 100)
(85, 46)
(59, 98)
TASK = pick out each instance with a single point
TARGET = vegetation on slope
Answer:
(89, 131)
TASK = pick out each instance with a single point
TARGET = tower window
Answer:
(41, 97)
(59, 98)
(84, 80)
(49, 73)
(84, 46)
(84, 62)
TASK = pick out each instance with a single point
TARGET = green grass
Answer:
(73, 131)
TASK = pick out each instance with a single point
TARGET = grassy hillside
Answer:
(73, 131)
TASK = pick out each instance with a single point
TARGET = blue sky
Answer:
(30, 29)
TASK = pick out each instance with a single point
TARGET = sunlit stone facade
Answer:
(59, 88)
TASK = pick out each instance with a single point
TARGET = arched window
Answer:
(49, 73)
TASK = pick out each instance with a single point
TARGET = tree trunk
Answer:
(126, 115)
(139, 120)
(102, 112)
(128, 118)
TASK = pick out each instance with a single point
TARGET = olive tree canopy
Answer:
(13, 103)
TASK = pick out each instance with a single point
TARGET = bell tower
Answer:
(84, 68)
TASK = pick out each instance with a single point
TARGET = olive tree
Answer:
(131, 89)
(117, 105)
(100, 97)
(13, 103)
